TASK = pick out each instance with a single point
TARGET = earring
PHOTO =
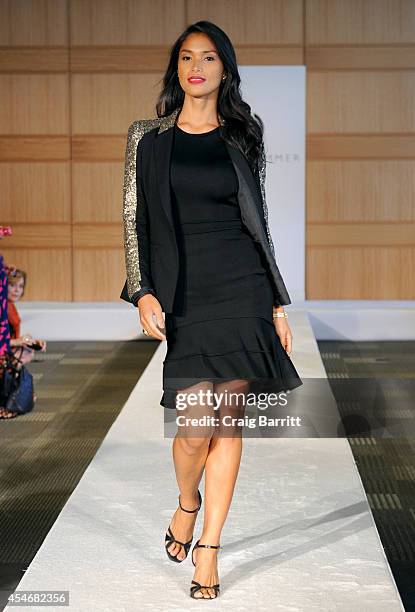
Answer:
(223, 77)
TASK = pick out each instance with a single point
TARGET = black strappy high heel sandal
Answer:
(197, 586)
(169, 539)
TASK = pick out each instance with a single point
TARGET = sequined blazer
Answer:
(151, 252)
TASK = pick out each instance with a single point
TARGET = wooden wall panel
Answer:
(97, 192)
(361, 102)
(49, 272)
(361, 234)
(97, 273)
(26, 60)
(34, 104)
(263, 22)
(353, 58)
(360, 56)
(362, 146)
(362, 191)
(33, 23)
(35, 144)
(125, 22)
(35, 192)
(40, 236)
(107, 104)
(362, 22)
(359, 273)
(97, 236)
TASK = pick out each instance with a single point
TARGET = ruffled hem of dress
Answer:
(246, 348)
(269, 374)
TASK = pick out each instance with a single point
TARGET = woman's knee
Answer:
(194, 444)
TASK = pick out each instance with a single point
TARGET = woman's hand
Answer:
(150, 308)
(21, 341)
(284, 333)
(43, 345)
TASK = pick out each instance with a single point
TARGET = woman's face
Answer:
(198, 57)
(16, 289)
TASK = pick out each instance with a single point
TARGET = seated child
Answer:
(20, 345)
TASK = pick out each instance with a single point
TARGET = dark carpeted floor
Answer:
(378, 407)
(80, 387)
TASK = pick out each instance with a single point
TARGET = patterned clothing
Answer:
(4, 322)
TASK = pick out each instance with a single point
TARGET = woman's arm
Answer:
(281, 325)
(260, 176)
(135, 219)
(137, 239)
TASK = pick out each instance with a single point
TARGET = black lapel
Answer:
(241, 163)
(163, 145)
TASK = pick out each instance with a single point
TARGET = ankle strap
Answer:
(196, 509)
(206, 546)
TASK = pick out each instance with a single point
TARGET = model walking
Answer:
(199, 169)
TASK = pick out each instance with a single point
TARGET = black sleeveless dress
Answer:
(221, 327)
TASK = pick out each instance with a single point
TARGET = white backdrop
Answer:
(278, 95)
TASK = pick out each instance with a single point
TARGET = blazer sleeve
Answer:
(135, 221)
(260, 176)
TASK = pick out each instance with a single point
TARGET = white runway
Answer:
(299, 535)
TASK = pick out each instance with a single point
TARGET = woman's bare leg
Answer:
(221, 471)
(189, 456)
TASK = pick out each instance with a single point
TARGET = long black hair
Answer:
(241, 128)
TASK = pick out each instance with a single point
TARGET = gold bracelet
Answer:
(277, 315)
